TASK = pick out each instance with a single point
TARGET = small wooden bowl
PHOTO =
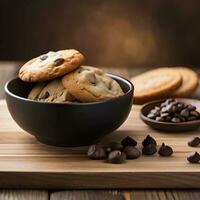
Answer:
(169, 126)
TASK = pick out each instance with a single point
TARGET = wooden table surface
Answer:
(8, 70)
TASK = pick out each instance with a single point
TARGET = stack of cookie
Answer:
(60, 77)
(163, 83)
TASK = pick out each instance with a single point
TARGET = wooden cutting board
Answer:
(26, 163)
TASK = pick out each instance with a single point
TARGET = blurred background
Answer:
(130, 33)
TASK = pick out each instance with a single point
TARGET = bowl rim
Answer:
(131, 89)
(145, 118)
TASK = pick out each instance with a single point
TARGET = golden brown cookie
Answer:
(89, 84)
(154, 84)
(189, 84)
(54, 91)
(51, 65)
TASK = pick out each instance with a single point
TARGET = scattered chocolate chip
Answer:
(149, 140)
(58, 62)
(96, 153)
(165, 150)
(43, 57)
(116, 157)
(149, 149)
(44, 96)
(132, 152)
(108, 150)
(115, 146)
(193, 142)
(128, 141)
(193, 157)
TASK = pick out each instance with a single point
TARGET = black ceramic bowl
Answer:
(67, 124)
(169, 126)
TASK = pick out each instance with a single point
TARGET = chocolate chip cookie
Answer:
(51, 65)
(89, 84)
(54, 91)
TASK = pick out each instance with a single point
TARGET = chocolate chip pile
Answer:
(117, 153)
(174, 111)
(194, 157)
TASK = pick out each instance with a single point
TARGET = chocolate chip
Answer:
(191, 118)
(149, 140)
(194, 113)
(164, 109)
(151, 116)
(193, 157)
(185, 112)
(180, 106)
(96, 153)
(131, 152)
(43, 57)
(174, 111)
(58, 62)
(115, 146)
(108, 150)
(170, 108)
(160, 119)
(175, 120)
(169, 100)
(191, 107)
(163, 104)
(154, 112)
(168, 119)
(165, 150)
(128, 141)
(164, 114)
(157, 108)
(116, 157)
(193, 142)
(44, 96)
(149, 149)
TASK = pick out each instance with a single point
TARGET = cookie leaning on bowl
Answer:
(154, 84)
(51, 65)
(88, 84)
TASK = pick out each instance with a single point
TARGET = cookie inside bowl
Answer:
(22, 89)
(68, 124)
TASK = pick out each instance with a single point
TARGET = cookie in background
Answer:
(155, 84)
(190, 82)
(164, 82)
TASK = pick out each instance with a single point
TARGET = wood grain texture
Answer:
(25, 163)
(164, 195)
(86, 195)
(24, 195)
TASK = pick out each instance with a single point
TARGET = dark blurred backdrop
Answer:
(131, 33)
